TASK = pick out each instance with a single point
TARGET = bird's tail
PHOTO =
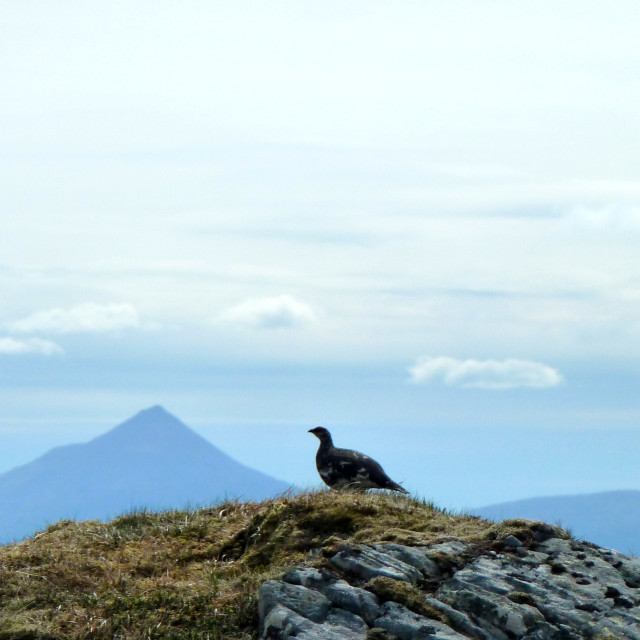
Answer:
(394, 486)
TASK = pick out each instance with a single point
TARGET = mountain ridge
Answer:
(608, 518)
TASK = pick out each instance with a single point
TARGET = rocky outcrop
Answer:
(551, 588)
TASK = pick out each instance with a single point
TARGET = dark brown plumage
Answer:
(344, 468)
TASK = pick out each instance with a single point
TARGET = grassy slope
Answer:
(195, 574)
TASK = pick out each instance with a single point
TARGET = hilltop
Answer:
(197, 574)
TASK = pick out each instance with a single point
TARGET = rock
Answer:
(573, 599)
(347, 621)
(308, 577)
(559, 590)
(458, 620)
(406, 625)
(555, 545)
(366, 563)
(512, 541)
(357, 601)
(454, 548)
(630, 571)
(417, 557)
(282, 623)
(340, 593)
(307, 602)
(501, 617)
(543, 531)
(449, 555)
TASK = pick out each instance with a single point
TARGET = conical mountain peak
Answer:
(150, 425)
(155, 409)
(152, 460)
(157, 413)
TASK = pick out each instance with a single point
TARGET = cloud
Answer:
(10, 346)
(484, 374)
(84, 318)
(281, 312)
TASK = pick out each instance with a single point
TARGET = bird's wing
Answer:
(354, 466)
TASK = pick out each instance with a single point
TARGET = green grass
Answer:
(195, 574)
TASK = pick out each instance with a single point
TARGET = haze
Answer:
(416, 224)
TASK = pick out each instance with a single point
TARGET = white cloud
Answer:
(281, 312)
(10, 346)
(84, 318)
(484, 374)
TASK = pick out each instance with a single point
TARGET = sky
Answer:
(415, 223)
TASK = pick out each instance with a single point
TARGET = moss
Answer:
(380, 634)
(527, 531)
(329, 522)
(447, 563)
(405, 594)
(520, 597)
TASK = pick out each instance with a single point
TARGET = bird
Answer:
(344, 468)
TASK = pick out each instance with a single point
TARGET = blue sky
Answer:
(413, 222)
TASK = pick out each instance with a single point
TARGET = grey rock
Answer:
(543, 531)
(512, 541)
(555, 545)
(340, 593)
(549, 632)
(358, 601)
(308, 577)
(454, 548)
(449, 555)
(497, 615)
(510, 597)
(417, 557)
(407, 625)
(630, 570)
(561, 590)
(366, 563)
(347, 620)
(459, 621)
(306, 602)
(282, 623)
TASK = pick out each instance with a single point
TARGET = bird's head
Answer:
(321, 433)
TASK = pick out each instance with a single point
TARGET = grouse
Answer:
(344, 468)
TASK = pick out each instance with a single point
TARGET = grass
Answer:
(194, 575)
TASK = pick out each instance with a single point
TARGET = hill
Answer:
(194, 574)
(610, 519)
(325, 565)
(151, 460)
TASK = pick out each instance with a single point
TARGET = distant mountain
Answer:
(609, 519)
(152, 460)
